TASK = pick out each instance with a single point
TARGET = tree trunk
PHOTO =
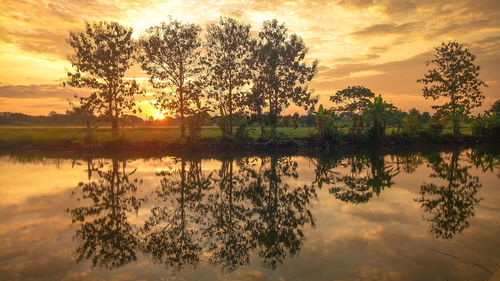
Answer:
(89, 129)
(261, 123)
(456, 126)
(114, 128)
(230, 111)
(181, 99)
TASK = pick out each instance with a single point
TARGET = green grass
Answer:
(54, 135)
(68, 135)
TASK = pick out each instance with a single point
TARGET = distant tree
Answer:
(102, 55)
(171, 57)
(496, 107)
(281, 75)
(229, 48)
(425, 117)
(353, 101)
(411, 122)
(454, 76)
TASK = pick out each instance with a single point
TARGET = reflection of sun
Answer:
(159, 116)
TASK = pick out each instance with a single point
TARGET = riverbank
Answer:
(218, 147)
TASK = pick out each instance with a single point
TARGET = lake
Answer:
(432, 215)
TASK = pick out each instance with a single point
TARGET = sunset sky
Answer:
(382, 45)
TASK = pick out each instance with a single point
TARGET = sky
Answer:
(379, 44)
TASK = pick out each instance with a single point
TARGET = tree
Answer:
(496, 107)
(454, 76)
(281, 75)
(170, 56)
(103, 53)
(353, 101)
(229, 50)
(378, 114)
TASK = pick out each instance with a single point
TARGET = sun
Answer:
(159, 116)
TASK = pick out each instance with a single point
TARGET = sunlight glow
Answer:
(159, 116)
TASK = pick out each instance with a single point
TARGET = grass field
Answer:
(138, 134)
(68, 135)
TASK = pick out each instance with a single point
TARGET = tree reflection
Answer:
(280, 211)
(452, 204)
(172, 232)
(108, 239)
(228, 218)
(366, 175)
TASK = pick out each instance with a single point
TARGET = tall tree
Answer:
(170, 56)
(229, 48)
(102, 55)
(454, 76)
(353, 101)
(281, 74)
(378, 114)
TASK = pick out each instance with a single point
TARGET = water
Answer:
(404, 216)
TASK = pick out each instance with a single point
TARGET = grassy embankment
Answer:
(148, 138)
(60, 135)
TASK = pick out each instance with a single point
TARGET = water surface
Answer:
(403, 216)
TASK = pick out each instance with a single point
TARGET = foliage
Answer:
(454, 76)
(378, 113)
(353, 102)
(170, 56)
(411, 124)
(198, 112)
(102, 55)
(487, 124)
(228, 60)
(451, 204)
(325, 124)
(496, 107)
(281, 75)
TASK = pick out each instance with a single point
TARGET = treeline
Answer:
(70, 118)
(226, 73)
(229, 73)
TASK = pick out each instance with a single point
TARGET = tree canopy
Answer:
(102, 55)
(281, 74)
(229, 48)
(171, 57)
(454, 76)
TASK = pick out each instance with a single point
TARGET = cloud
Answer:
(40, 91)
(386, 29)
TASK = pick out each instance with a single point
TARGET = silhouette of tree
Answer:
(450, 205)
(408, 163)
(281, 211)
(367, 175)
(495, 107)
(229, 50)
(454, 76)
(229, 212)
(378, 113)
(325, 169)
(171, 233)
(103, 53)
(484, 160)
(108, 239)
(281, 75)
(353, 101)
(171, 57)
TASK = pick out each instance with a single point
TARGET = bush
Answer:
(487, 124)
